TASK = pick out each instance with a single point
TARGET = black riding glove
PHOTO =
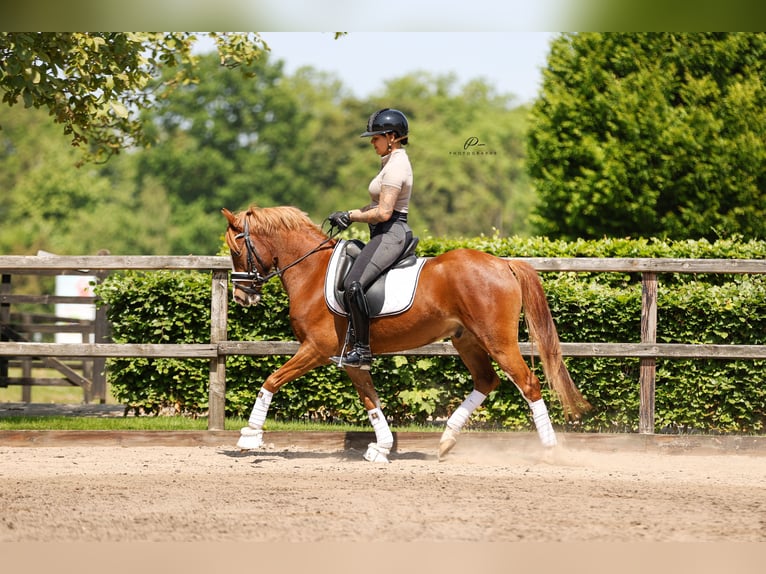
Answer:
(339, 219)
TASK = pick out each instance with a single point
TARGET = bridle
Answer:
(251, 281)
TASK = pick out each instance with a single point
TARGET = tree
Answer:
(258, 136)
(50, 204)
(467, 151)
(92, 83)
(651, 135)
(232, 141)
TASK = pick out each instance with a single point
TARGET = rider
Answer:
(386, 215)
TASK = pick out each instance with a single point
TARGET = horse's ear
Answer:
(230, 216)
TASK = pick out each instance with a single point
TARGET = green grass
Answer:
(63, 395)
(69, 394)
(109, 423)
(74, 395)
(149, 423)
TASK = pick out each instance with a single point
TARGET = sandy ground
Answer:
(219, 494)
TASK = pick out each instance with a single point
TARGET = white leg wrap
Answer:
(543, 423)
(457, 421)
(383, 436)
(260, 409)
(378, 451)
(251, 436)
(464, 411)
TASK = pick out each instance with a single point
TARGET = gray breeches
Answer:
(387, 242)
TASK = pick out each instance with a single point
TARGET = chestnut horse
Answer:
(471, 297)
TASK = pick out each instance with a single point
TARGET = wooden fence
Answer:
(648, 350)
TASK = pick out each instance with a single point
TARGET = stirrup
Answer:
(358, 358)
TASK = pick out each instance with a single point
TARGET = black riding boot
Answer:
(360, 356)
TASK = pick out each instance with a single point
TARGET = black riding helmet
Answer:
(388, 120)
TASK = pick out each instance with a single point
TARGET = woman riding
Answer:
(386, 215)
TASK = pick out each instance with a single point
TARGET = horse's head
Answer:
(250, 270)
(259, 236)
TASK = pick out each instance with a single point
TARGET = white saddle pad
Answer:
(400, 286)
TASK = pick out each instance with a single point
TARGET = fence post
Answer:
(219, 307)
(5, 321)
(648, 365)
(26, 366)
(101, 334)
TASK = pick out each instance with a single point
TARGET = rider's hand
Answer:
(339, 219)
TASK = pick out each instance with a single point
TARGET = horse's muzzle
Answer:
(246, 299)
(245, 290)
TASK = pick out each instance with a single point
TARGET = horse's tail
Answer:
(542, 331)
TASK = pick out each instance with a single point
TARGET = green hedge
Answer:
(692, 395)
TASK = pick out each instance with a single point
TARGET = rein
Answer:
(253, 276)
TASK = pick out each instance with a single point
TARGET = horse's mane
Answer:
(270, 220)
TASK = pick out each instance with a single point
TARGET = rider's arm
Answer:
(379, 213)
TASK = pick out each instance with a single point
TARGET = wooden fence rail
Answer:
(218, 347)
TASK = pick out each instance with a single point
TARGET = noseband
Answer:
(251, 281)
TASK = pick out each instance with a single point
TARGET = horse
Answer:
(473, 298)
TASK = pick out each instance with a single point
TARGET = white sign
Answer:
(74, 286)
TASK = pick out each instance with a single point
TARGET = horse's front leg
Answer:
(305, 359)
(379, 450)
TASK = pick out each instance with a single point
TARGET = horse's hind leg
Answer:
(479, 363)
(485, 380)
(379, 450)
(513, 365)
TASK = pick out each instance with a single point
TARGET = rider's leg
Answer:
(380, 252)
(360, 355)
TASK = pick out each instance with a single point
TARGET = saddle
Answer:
(391, 293)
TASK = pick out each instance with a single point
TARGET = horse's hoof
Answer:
(376, 453)
(447, 442)
(250, 438)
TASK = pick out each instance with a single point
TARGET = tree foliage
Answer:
(92, 82)
(272, 139)
(49, 204)
(217, 137)
(653, 134)
(467, 154)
